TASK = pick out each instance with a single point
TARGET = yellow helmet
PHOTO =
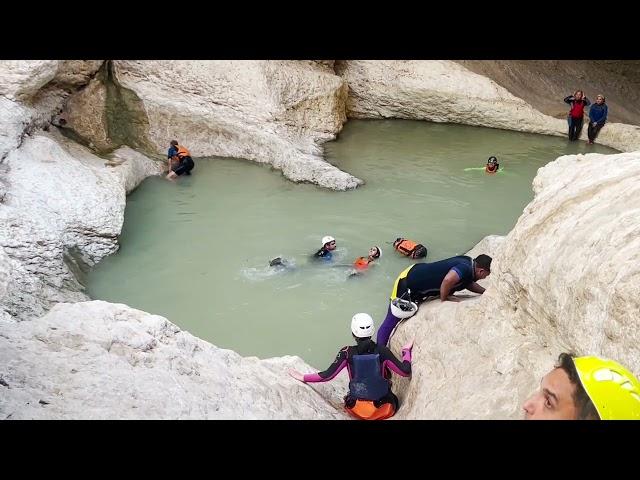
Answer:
(613, 389)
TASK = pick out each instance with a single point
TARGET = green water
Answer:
(197, 251)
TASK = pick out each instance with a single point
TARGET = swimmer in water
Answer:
(492, 165)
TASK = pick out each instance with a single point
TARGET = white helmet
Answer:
(327, 239)
(362, 325)
(403, 308)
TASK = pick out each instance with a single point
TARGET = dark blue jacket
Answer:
(598, 113)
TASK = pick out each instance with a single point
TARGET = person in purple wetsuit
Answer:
(370, 396)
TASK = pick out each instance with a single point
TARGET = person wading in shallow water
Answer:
(179, 160)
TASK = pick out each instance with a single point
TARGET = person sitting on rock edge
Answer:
(597, 118)
(370, 396)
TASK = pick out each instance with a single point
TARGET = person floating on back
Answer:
(409, 248)
(370, 396)
(597, 118)
(492, 165)
(179, 160)
(362, 263)
(585, 388)
(423, 280)
(328, 245)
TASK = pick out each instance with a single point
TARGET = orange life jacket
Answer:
(410, 248)
(361, 263)
(366, 410)
(183, 152)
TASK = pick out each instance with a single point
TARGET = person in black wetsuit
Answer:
(370, 396)
(441, 278)
(328, 245)
(324, 253)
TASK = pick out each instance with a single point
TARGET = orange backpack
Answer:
(409, 248)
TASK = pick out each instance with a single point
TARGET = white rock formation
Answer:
(274, 112)
(444, 91)
(64, 205)
(97, 360)
(33, 91)
(22, 79)
(565, 279)
(76, 73)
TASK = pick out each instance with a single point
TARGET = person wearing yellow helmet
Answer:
(585, 388)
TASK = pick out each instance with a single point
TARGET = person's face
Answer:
(554, 400)
(599, 100)
(481, 273)
(330, 245)
(373, 251)
(578, 95)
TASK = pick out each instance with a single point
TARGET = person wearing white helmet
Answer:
(328, 245)
(585, 388)
(370, 396)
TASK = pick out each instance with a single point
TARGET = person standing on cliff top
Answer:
(597, 118)
(179, 160)
(585, 388)
(576, 115)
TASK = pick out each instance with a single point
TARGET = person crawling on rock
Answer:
(179, 160)
(492, 165)
(370, 396)
(328, 245)
(423, 280)
(585, 388)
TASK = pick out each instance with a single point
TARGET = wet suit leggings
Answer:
(390, 321)
(575, 128)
